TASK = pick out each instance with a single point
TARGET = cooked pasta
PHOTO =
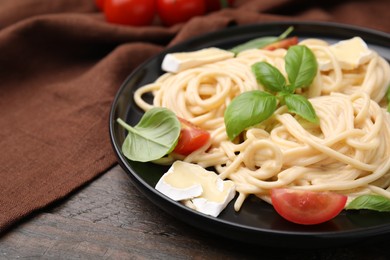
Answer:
(348, 152)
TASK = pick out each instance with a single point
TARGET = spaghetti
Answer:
(347, 152)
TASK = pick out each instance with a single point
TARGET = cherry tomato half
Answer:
(99, 4)
(130, 12)
(214, 5)
(307, 207)
(178, 11)
(285, 43)
(191, 138)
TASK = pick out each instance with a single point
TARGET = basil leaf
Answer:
(281, 95)
(155, 135)
(301, 106)
(257, 43)
(248, 109)
(261, 42)
(371, 202)
(269, 76)
(301, 66)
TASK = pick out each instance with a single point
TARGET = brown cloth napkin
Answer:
(61, 65)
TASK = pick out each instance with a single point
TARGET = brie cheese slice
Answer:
(196, 187)
(351, 53)
(176, 62)
(179, 184)
(212, 202)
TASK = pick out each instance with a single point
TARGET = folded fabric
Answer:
(61, 64)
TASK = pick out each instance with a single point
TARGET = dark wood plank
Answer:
(55, 236)
(110, 218)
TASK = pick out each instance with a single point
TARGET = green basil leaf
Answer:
(371, 202)
(286, 33)
(281, 95)
(301, 66)
(257, 43)
(155, 135)
(248, 109)
(269, 76)
(261, 42)
(301, 106)
(289, 89)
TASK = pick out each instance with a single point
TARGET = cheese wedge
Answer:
(324, 63)
(213, 201)
(351, 53)
(179, 61)
(196, 187)
(179, 184)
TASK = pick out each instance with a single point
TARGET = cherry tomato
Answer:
(191, 138)
(100, 4)
(178, 11)
(285, 43)
(307, 207)
(214, 5)
(130, 12)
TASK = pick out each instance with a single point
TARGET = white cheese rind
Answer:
(324, 64)
(177, 193)
(215, 208)
(179, 61)
(351, 53)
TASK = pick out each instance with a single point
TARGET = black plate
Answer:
(257, 222)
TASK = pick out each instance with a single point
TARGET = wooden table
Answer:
(110, 218)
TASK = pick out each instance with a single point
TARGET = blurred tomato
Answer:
(130, 12)
(285, 44)
(214, 5)
(178, 11)
(99, 4)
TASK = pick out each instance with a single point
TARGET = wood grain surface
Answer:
(110, 219)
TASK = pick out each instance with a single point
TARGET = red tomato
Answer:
(282, 44)
(130, 12)
(100, 4)
(214, 5)
(178, 11)
(307, 207)
(191, 138)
